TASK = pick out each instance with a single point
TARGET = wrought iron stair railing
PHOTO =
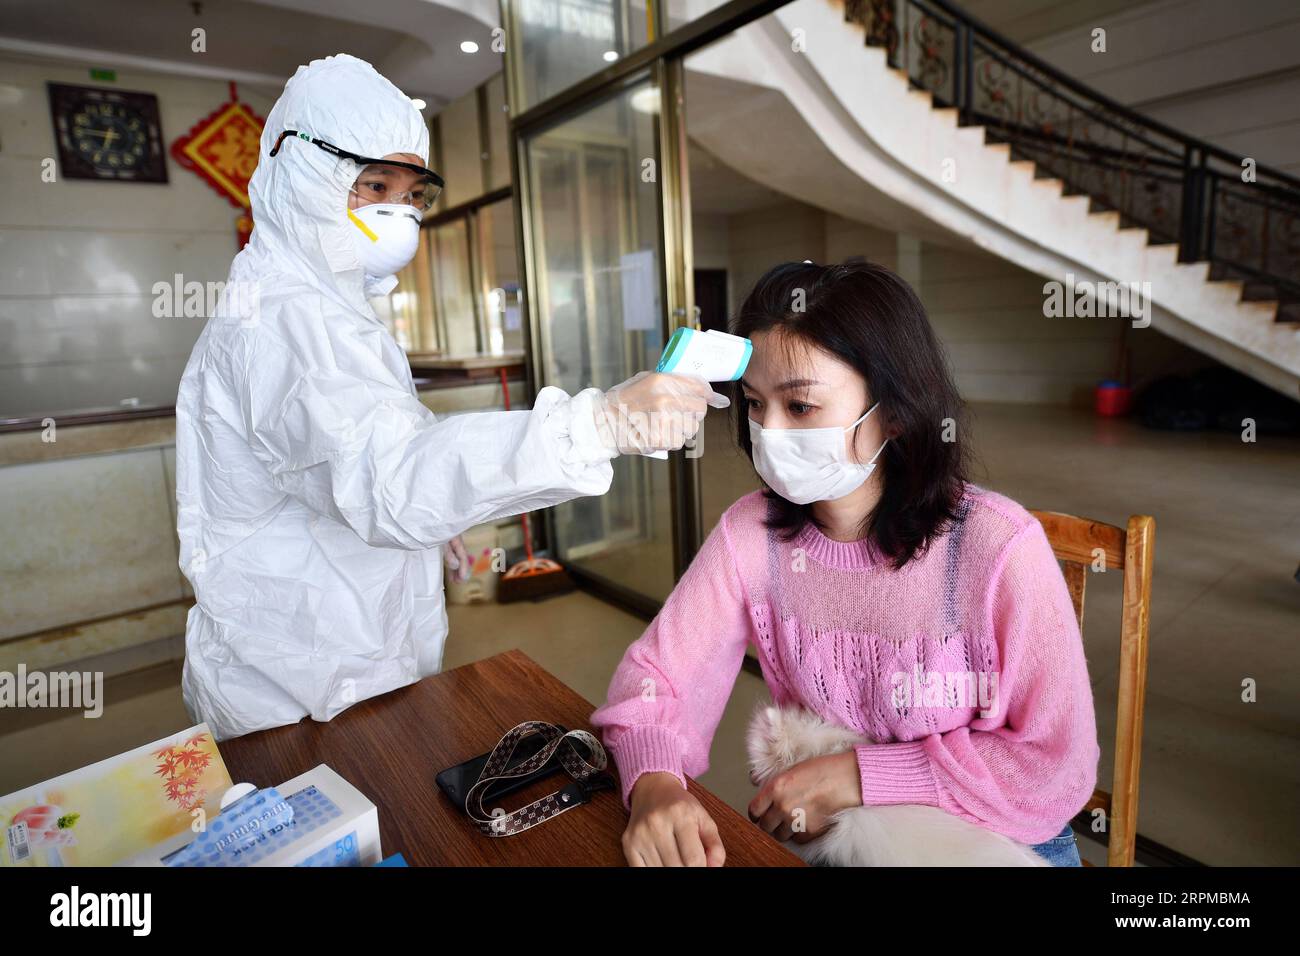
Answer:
(1241, 217)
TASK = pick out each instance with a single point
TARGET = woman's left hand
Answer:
(798, 802)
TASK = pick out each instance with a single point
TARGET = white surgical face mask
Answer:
(385, 235)
(804, 465)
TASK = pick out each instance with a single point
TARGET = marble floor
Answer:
(1220, 775)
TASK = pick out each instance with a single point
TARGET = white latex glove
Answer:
(457, 559)
(655, 411)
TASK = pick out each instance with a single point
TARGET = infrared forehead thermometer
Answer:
(711, 356)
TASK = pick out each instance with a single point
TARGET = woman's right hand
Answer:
(669, 827)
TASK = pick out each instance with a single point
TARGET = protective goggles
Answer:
(368, 184)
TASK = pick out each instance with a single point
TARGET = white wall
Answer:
(760, 238)
(78, 259)
(709, 241)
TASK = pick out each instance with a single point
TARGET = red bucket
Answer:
(1113, 400)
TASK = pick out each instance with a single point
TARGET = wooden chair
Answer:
(1078, 543)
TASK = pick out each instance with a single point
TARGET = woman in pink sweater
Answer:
(874, 583)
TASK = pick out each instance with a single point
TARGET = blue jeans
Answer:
(1060, 850)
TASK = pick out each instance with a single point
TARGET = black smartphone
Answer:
(456, 781)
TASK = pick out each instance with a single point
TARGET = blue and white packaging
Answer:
(315, 819)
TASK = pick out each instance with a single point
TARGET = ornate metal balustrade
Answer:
(1179, 188)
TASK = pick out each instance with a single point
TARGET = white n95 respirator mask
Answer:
(804, 465)
(385, 236)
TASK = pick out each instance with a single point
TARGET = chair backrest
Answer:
(1082, 545)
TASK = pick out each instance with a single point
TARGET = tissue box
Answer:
(111, 810)
(315, 819)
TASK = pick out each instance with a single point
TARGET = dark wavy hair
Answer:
(870, 319)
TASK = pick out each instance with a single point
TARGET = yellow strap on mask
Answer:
(356, 221)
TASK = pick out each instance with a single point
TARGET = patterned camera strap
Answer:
(573, 762)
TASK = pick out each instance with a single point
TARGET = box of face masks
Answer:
(315, 819)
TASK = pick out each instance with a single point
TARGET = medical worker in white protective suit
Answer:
(314, 492)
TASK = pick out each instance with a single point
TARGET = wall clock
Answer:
(107, 134)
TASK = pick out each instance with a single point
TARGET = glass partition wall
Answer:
(460, 294)
(498, 277)
(557, 43)
(596, 274)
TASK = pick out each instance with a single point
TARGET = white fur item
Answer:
(899, 835)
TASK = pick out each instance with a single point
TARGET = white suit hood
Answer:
(299, 195)
(313, 488)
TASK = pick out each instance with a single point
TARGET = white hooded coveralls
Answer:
(313, 489)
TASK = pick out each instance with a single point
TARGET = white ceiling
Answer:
(415, 43)
(717, 189)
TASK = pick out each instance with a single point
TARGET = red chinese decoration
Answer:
(222, 149)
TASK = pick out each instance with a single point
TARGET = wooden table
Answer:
(391, 747)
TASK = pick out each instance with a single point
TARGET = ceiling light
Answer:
(468, 46)
(646, 100)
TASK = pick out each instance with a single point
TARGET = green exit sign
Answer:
(106, 76)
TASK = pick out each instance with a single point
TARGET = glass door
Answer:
(592, 227)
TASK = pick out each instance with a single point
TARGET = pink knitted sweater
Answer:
(966, 667)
